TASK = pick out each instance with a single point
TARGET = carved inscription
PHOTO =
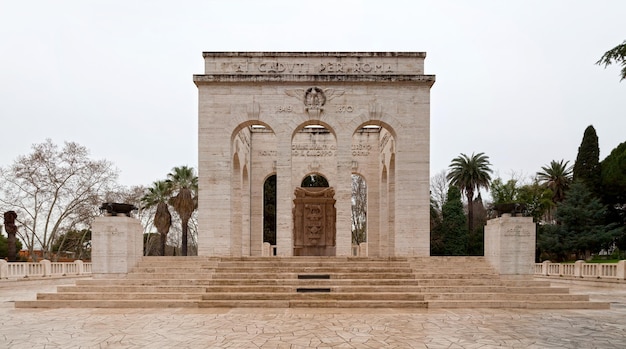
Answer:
(267, 153)
(361, 149)
(283, 108)
(516, 231)
(276, 67)
(313, 150)
(344, 109)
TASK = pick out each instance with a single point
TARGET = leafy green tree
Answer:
(74, 243)
(537, 199)
(557, 177)
(476, 238)
(503, 193)
(616, 55)
(4, 246)
(453, 225)
(581, 218)
(614, 176)
(470, 174)
(158, 195)
(184, 183)
(436, 236)
(614, 190)
(587, 166)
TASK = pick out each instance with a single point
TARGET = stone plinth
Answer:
(510, 245)
(117, 245)
(314, 222)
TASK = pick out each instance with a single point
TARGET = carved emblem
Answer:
(314, 98)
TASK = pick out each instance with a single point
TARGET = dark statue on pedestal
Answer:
(11, 229)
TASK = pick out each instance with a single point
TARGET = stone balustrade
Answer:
(45, 268)
(581, 269)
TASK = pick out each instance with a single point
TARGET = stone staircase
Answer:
(312, 282)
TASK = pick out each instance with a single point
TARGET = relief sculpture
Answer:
(314, 222)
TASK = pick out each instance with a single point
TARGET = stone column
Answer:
(284, 198)
(510, 245)
(117, 245)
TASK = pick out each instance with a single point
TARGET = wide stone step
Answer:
(323, 269)
(464, 282)
(170, 303)
(313, 264)
(172, 270)
(305, 303)
(369, 296)
(133, 289)
(493, 289)
(171, 276)
(456, 276)
(80, 296)
(508, 304)
(495, 296)
(323, 282)
(295, 275)
(144, 282)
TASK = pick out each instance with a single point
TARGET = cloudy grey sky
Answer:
(515, 79)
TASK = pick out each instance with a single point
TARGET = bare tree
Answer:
(359, 209)
(54, 190)
(439, 188)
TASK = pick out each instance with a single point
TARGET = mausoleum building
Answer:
(295, 127)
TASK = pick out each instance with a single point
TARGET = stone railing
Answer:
(580, 269)
(45, 268)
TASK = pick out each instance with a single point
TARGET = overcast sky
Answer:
(515, 79)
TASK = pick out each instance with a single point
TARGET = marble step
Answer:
(310, 269)
(81, 296)
(494, 296)
(171, 276)
(366, 296)
(132, 289)
(524, 304)
(333, 276)
(308, 303)
(100, 303)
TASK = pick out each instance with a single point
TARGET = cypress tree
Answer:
(587, 167)
(454, 224)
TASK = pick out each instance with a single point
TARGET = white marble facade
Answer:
(254, 109)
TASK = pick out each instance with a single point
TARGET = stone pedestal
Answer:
(314, 222)
(117, 245)
(510, 245)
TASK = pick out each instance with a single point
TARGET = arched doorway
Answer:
(314, 216)
(269, 210)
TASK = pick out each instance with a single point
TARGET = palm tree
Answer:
(184, 183)
(470, 174)
(158, 195)
(557, 177)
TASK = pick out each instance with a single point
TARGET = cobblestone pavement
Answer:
(308, 328)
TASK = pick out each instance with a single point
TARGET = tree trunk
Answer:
(470, 211)
(185, 224)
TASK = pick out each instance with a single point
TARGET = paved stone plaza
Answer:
(308, 328)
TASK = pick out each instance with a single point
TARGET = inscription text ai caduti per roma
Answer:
(315, 68)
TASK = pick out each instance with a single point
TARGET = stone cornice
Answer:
(235, 78)
(314, 54)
